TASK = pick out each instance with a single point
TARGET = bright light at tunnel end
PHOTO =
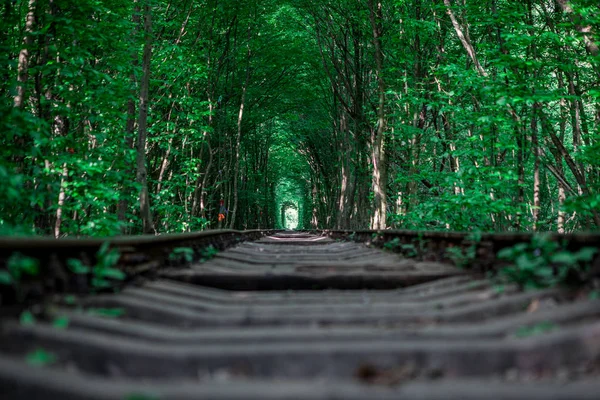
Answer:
(290, 218)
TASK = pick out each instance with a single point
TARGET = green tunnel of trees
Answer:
(182, 115)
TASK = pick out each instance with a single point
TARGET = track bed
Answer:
(302, 316)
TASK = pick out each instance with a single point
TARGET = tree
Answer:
(176, 116)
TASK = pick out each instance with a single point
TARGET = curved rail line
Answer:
(295, 315)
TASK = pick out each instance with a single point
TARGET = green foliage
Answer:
(104, 271)
(61, 322)
(18, 266)
(467, 148)
(538, 329)
(207, 253)
(70, 299)
(182, 253)
(407, 250)
(5, 278)
(142, 396)
(461, 257)
(392, 244)
(27, 318)
(40, 358)
(107, 312)
(544, 263)
(77, 267)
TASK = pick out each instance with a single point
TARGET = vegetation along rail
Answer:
(301, 315)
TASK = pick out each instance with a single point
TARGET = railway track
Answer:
(292, 315)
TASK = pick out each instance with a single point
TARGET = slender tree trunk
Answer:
(536, 171)
(586, 30)
(520, 174)
(463, 35)
(164, 165)
(165, 161)
(560, 222)
(379, 161)
(61, 201)
(23, 67)
(345, 175)
(142, 174)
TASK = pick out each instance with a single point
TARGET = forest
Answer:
(166, 116)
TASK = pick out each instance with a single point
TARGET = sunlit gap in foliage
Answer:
(291, 176)
(289, 215)
(290, 204)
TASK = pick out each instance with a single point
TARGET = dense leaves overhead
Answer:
(326, 114)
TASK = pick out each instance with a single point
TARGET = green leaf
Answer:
(61, 322)
(27, 318)
(111, 273)
(111, 259)
(5, 278)
(563, 257)
(507, 253)
(541, 328)
(107, 312)
(186, 252)
(586, 254)
(40, 358)
(545, 272)
(524, 262)
(30, 266)
(18, 264)
(103, 248)
(77, 267)
(100, 283)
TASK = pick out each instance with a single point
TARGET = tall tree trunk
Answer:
(379, 161)
(586, 30)
(463, 35)
(165, 161)
(536, 171)
(61, 201)
(23, 67)
(142, 173)
(238, 139)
